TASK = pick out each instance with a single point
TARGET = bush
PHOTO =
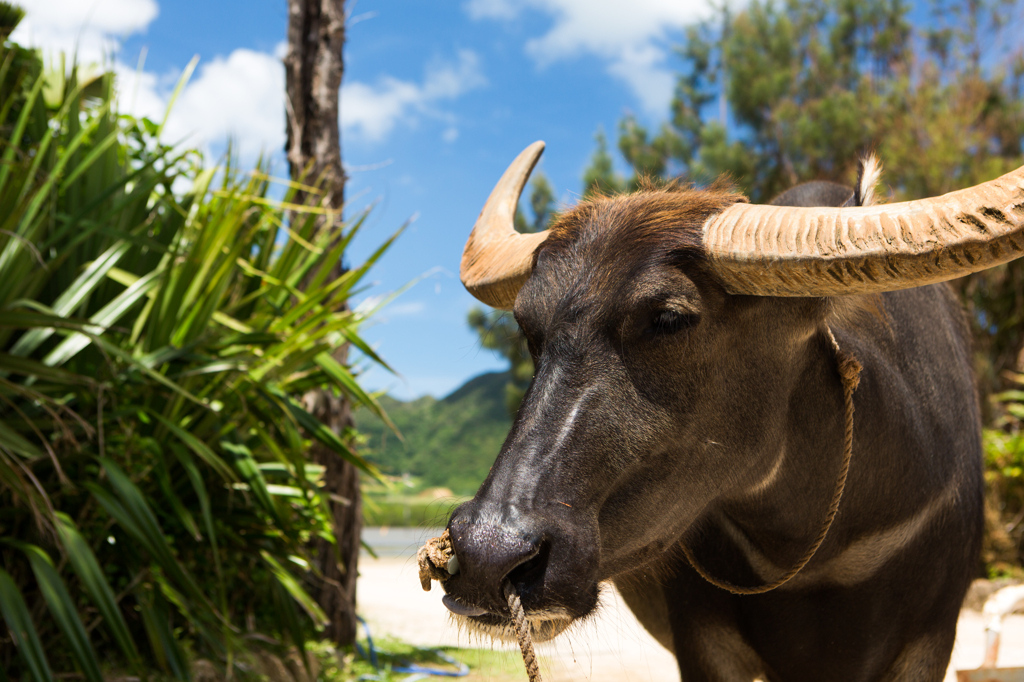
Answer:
(154, 349)
(1004, 479)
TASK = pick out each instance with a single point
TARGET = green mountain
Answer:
(449, 443)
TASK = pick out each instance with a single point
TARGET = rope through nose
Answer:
(437, 561)
(523, 635)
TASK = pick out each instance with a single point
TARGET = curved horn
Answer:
(787, 251)
(497, 260)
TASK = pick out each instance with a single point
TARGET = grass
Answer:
(485, 665)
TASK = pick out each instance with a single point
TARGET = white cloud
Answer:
(640, 67)
(93, 27)
(240, 96)
(373, 110)
(139, 92)
(630, 36)
(408, 309)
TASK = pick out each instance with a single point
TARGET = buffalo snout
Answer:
(551, 573)
(486, 556)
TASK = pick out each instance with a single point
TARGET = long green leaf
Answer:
(62, 608)
(344, 379)
(289, 583)
(28, 367)
(90, 158)
(155, 617)
(251, 474)
(104, 317)
(18, 133)
(323, 434)
(186, 74)
(163, 477)
(16, 443)
(194, 477)
(197, 446)
(136, 517)
(19, 624)
(88, 570)
(84, 285)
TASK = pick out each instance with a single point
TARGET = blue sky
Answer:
(438, 98)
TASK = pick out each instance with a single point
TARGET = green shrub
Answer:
(155, 503)
(1004, 479)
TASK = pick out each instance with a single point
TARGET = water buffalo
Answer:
(692, 432)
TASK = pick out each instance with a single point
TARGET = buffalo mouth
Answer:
(544, 625)
(552, 577)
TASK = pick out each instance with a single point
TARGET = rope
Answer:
(849, 372)
(437, 561)
(434, 558)
(523, 635)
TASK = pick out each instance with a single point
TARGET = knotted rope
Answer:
(434, 558)
(849, 373)
(523, 635)
(437, 561)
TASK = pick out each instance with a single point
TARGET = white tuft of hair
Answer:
(869, 172)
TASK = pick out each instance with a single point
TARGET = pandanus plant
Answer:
(154, 349)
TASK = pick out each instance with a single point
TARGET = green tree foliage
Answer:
(154, 348)
(600, 176)
(499, 332)
(446, 443)
(806, 87)
(497, 329)
(1004, 477)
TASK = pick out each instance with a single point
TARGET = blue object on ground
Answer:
(418, 672)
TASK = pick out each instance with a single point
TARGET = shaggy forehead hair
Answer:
(625, 232)
(657, 219)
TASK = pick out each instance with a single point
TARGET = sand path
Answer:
(613, 646)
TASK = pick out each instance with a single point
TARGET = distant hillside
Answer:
(450, 442)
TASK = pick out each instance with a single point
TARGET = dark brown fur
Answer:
(656, 216)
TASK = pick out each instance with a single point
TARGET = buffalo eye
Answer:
(671, 321)
(532, 338)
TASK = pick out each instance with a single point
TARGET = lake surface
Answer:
(389, 541)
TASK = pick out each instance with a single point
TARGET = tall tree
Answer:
(314, 67)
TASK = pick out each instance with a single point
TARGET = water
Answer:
(388, 541)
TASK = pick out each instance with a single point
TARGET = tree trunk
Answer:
(314, 67)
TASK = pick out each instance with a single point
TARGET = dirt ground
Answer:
(612, 647)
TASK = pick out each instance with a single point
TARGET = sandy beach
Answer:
(611, 647)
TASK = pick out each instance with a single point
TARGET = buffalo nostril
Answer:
(531, 571)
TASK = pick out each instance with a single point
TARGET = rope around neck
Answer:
(435, 563)
(849, 372)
